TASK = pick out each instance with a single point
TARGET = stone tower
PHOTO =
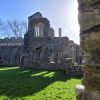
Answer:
(38, 25)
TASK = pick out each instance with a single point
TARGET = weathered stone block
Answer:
(88, 20)
(79, 90)
(90, 43)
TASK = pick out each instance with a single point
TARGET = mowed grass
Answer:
(25, 84)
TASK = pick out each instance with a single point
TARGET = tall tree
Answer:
(13, 28)
(17, 28)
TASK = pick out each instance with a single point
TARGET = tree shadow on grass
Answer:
(17, 82)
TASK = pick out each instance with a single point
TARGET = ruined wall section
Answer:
(44, 51)
(11, 51)
(89, 19)
(38, 27)
(52, 50)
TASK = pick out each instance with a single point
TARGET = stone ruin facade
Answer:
(42, 50)
(89, 19)
(10, 51)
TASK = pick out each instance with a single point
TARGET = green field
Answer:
(19, 84)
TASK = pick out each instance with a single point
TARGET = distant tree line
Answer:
(12, 28)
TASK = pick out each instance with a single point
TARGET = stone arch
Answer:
(59, 56)
(38, 30)
(52, 55)
(22, 61)
(73, 51)
(38, 55)
(0, 60)
(46, 55)
(36, 24)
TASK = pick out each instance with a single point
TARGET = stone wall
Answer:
(89, 19)
(10, 51)
(44, 51)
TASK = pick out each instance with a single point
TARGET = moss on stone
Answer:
(91, 45)
(91, 78)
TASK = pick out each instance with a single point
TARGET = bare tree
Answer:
(12, 28)
(3, 29)
(17, 28)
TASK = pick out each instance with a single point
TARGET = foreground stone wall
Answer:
(89, 19)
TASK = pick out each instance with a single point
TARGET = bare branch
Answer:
(13, 28)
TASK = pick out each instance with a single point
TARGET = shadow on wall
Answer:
(15, 82)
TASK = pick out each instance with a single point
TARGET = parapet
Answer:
(11, 41)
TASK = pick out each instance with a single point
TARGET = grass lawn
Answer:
(19, 84)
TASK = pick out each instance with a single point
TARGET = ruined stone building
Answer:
(45, 51)
(40, 48)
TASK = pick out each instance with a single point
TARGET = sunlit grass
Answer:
(19, 84)
(3, 68)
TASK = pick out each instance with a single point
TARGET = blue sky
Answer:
(61, 13)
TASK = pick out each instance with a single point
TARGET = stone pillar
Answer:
(89, 20)
(60, 32)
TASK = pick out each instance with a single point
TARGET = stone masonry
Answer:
(89, 19)
(11, 51)
(42, 50)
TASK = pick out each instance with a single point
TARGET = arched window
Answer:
(38, 54)
(39, 30)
